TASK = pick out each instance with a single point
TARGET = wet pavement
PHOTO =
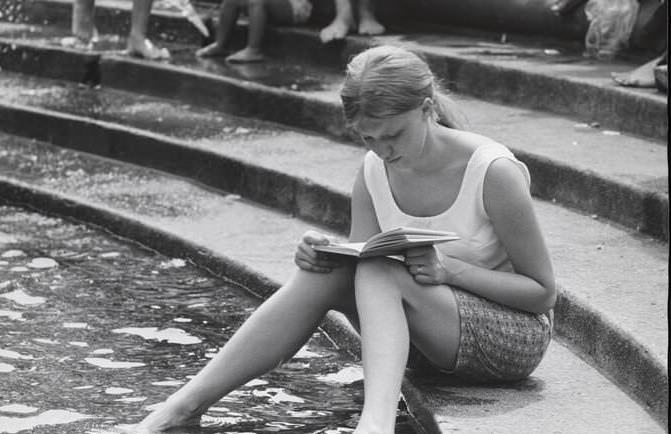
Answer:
(176, 119)
(273, 72)
(97, 329)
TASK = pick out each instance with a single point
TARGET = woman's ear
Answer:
(427, 107)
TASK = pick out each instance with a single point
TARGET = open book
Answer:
(391, 242)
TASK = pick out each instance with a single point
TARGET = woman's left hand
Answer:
(430, 267)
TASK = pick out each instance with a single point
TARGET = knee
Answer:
(339, 281)
(369, 267)
(382, 270)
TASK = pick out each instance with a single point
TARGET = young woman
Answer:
(479, 307)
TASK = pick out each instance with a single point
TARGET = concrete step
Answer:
(230, 236)
(612, 306)
(524, 71)
(602, 172)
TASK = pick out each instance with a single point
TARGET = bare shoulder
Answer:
(505, 189)
(503, 172)
(464, 143)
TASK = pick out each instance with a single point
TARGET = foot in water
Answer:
(213, 50)
(146, 50)
(163, 418)
(247, 55)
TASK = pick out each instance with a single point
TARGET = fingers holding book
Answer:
(424, 266)
(307, 258)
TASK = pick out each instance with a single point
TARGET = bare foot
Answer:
(164, 418)
(83, 39)
(213, 50)
(75, 42)
(338, 29)
(247, 55)
(146, 50)
(643, 76)
(662, 78)
(370, 26)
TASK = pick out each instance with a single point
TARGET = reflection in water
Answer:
(17, 408)
(50, 417)
(20, 297)
(111, 330)
(172, 335)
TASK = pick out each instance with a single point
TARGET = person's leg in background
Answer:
(83, 27)
(228, 16)
(138, 43)
(341, 24)
(368, 24)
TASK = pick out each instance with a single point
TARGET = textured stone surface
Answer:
(563, 395)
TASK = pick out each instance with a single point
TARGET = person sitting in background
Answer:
(344, 21)
(84, 31)
(260, 12)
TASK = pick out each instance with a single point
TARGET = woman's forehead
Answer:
(374, 126)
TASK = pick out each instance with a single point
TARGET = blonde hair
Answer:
(386, 81)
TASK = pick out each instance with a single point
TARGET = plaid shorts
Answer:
(497, 343)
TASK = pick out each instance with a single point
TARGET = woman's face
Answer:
(398, 140)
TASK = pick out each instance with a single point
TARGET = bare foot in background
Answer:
(213, 50)
(246, 55)
(338, 29)
(643, 76)
(369, 25)
(146, 49)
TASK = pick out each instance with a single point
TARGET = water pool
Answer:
(96, 330)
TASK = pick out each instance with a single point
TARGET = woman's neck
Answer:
(437, 151)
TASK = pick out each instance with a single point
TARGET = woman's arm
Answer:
(364, 221)
(531, 287)
(508, 203)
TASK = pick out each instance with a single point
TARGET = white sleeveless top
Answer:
(478, 243)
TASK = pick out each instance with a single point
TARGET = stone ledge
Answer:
(521, 74)
(607, 346)
(617, 198)
(437, 405)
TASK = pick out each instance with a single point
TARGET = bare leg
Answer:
(228, 16)
(258, 19)
(368, 24)
(392, 310)
(341, 24)
(643, 76)
(138, 44)
(83, 12)
(278, 328)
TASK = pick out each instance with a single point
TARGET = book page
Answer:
(351, 249)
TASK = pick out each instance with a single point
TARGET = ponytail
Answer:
(386, 81)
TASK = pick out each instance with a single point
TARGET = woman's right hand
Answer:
(308, 259)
